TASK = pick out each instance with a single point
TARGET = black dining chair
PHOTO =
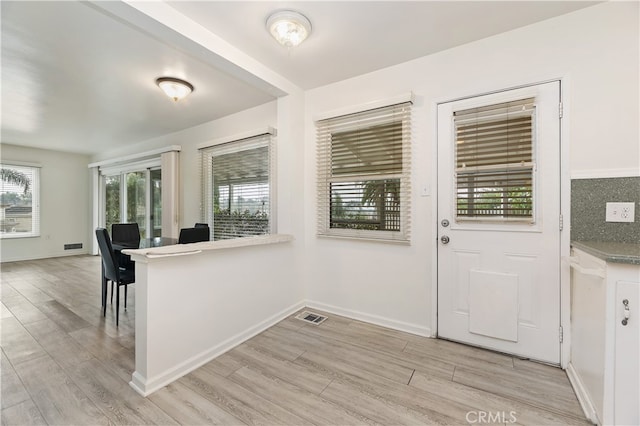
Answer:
(113, 272)
(201, 225)
(128, 235)
(125, 233)
(193, 235)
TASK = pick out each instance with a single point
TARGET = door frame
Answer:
(565, 202)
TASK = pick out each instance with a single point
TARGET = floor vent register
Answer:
(311, 317)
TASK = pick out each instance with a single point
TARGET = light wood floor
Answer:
(64, 364)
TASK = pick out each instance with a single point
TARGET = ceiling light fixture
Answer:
(289, 27)
(174, 88)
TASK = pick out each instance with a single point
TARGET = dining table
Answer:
(144, 243)
(118, 246)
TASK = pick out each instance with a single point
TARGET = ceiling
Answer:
(79, 76)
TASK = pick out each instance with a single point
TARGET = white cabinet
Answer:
(605, 354)
(627, 354)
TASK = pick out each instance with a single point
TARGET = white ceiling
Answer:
(78, 77)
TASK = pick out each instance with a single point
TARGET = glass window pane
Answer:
(364, 174)
(494, 148)
(238, 179)
(372, 205)
(136, 202)
(156, 202)
(19, 216)
(112, 200)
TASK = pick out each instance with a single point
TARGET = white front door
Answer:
(499, 221)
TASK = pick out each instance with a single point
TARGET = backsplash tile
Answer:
(588, 205)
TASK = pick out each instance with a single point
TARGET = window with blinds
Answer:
(494, 162)
(19, 201)
(236, 185)
(364, 174)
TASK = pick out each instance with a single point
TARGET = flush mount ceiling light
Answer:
(288, 27)
(174, 88)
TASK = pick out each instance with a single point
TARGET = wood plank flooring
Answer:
(64, 364)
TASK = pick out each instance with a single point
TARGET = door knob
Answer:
(444, 239)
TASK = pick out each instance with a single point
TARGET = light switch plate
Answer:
(620, 212)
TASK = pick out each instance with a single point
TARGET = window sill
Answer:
(365, 239)
(195, 248)
(17, 235)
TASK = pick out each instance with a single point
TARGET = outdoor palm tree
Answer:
(15, 177)
(382, 194)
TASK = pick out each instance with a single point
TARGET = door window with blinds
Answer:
(364, 173)
(236, 183)
(20, 201)
(495, 162)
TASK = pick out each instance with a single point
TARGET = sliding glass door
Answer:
(134, 196)
(112, 213)
(156, 202)
(135, 200)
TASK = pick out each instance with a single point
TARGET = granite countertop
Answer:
(611, 252)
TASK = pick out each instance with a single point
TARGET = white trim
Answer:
(496, 91)
(97, 216)
(364, 238)
(146, 386)
(583, 396)
(136, 166)
(352, 109)
(434, 222)
(372, 319)
(57, 253)
(33, 173)
(565, 211)
(20, 163)
(238, 137)
(139, 156)
(605, 173)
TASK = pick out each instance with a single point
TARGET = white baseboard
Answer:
(373, 319)
(583, 396)
(66, 253)
(146, 386)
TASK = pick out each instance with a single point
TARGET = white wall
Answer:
(595, 53)
(65, 213)
(216, 299)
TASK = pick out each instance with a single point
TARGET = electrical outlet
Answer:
(620, 212)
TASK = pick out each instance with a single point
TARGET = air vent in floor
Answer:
(311, 317)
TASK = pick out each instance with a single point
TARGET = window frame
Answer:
(122, 170)
(35, 199)
(367, 118)
(511, 107)
(235, 144)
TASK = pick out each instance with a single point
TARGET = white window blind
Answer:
(236, 187)
(19, 201)
(364, 174)
(494, 162)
